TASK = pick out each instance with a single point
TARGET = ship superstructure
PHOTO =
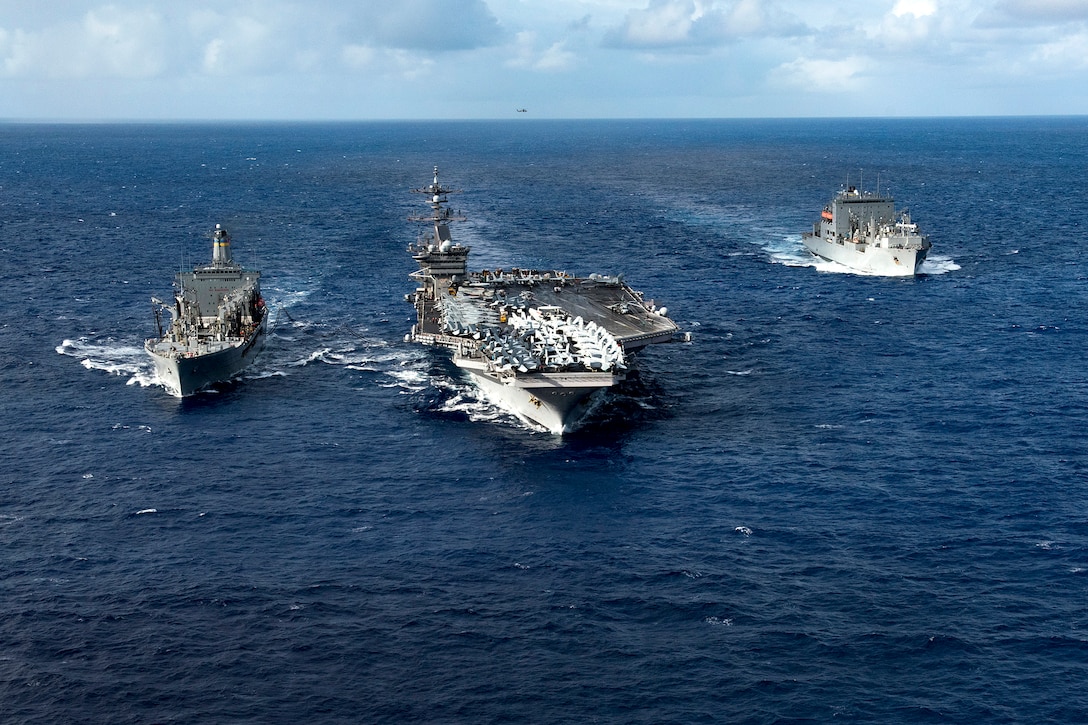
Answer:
(539, 343)
(218, 323)
(863, 231)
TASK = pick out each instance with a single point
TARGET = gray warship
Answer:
(541, 344)
(861, 230)
(218, 324)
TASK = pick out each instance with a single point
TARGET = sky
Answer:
(88, 60)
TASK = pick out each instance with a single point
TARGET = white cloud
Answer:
(917, 8)
(748, 17)
(821, 75)
(707, 57)
(910, 26)
(1063, 55)
(663, 22)
(1044, 10)
(146, 38)
(426, 25)
(241, 43)
(257, 39)
(555, 57)
(106, 41)
(691, 24)
(388, 62)
(14, 52)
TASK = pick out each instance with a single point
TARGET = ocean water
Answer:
(848, 498)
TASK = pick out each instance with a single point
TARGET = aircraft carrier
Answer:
(544, 344)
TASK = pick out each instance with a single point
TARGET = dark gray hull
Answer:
(184, 374)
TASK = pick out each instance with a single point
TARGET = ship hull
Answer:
(873, 260)
(183, 375)
(557, 402)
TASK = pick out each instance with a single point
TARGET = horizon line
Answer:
(519, 119)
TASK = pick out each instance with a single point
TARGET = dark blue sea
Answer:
(846, 499)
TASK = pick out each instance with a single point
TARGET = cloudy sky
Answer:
(438, 59)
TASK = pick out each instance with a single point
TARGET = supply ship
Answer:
(543, 344)
(861, 230)
(218, 323)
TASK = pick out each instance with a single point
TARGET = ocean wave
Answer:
(262, 374)
(280, 298)
(122, 426)
(478, 409)
(377, 360)
(412, 380)
(299, 343)
(111, 356)
(314, 356)
(789, 251)
(938, 265)
(461, 399)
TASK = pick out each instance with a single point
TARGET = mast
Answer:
(440, 259)
(440, 215)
